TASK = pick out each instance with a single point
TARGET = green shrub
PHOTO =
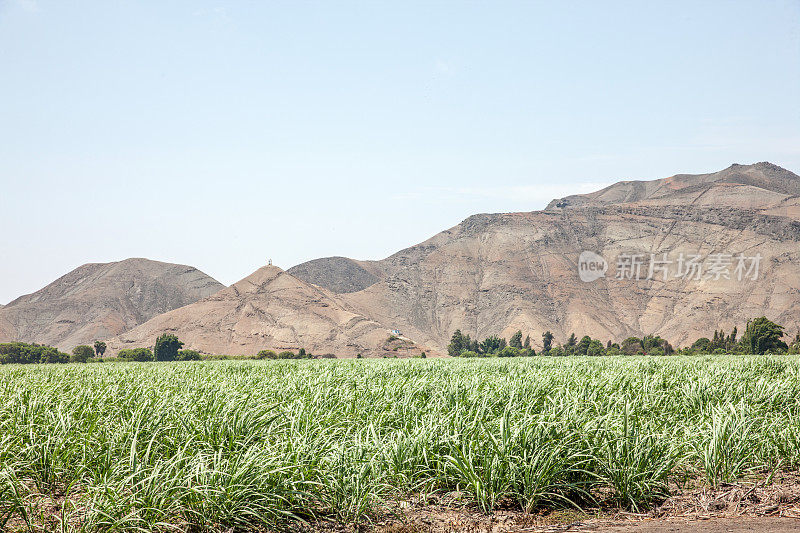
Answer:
(81, 354)
(556, 351)
(188, 355)
(266, 354)
(509, 351)
(23, 353)
(136, 354)
(701, 345)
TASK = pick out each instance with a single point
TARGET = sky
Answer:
(223, 134)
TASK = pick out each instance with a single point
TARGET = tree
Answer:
(516, 340)
(572, 340)
(474, 345)
(547, 341)
(763, 336)
(794, 348)
(166, 348)
(655, 345)
(99, 348)
(456, 345)
(571, 346)
(702, 345)
(730, 345)
(595, 348)
(527, 344)
(632, 346)
(81, 354)
(492, 344)
(583, 346)
(268, 354)
(716, 341)
(22, 353)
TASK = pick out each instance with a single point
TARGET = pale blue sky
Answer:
(219, 134)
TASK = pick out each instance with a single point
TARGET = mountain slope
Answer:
(100, 300)
(270, 309)
(494, 274)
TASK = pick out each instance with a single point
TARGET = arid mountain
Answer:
(494, 274)
(100, 300)
(681, 256)
(269, 309)
(748, 186)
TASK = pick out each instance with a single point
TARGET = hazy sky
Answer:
(219, 134)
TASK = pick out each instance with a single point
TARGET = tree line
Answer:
(24, 353)
(761, 336)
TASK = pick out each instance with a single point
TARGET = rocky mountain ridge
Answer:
(492, 274)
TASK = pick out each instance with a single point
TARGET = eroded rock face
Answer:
(100, 300)
(494, 274)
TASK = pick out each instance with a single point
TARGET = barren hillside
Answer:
(99, 300)
(502, 272)
(269, 309)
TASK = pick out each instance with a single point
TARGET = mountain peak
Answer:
(757, 185)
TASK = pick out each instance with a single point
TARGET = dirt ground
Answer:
(758, 505)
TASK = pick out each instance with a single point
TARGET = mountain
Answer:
(496, 273)
(492, 274)
(748, 186)
(100, 300)
(269, 309)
